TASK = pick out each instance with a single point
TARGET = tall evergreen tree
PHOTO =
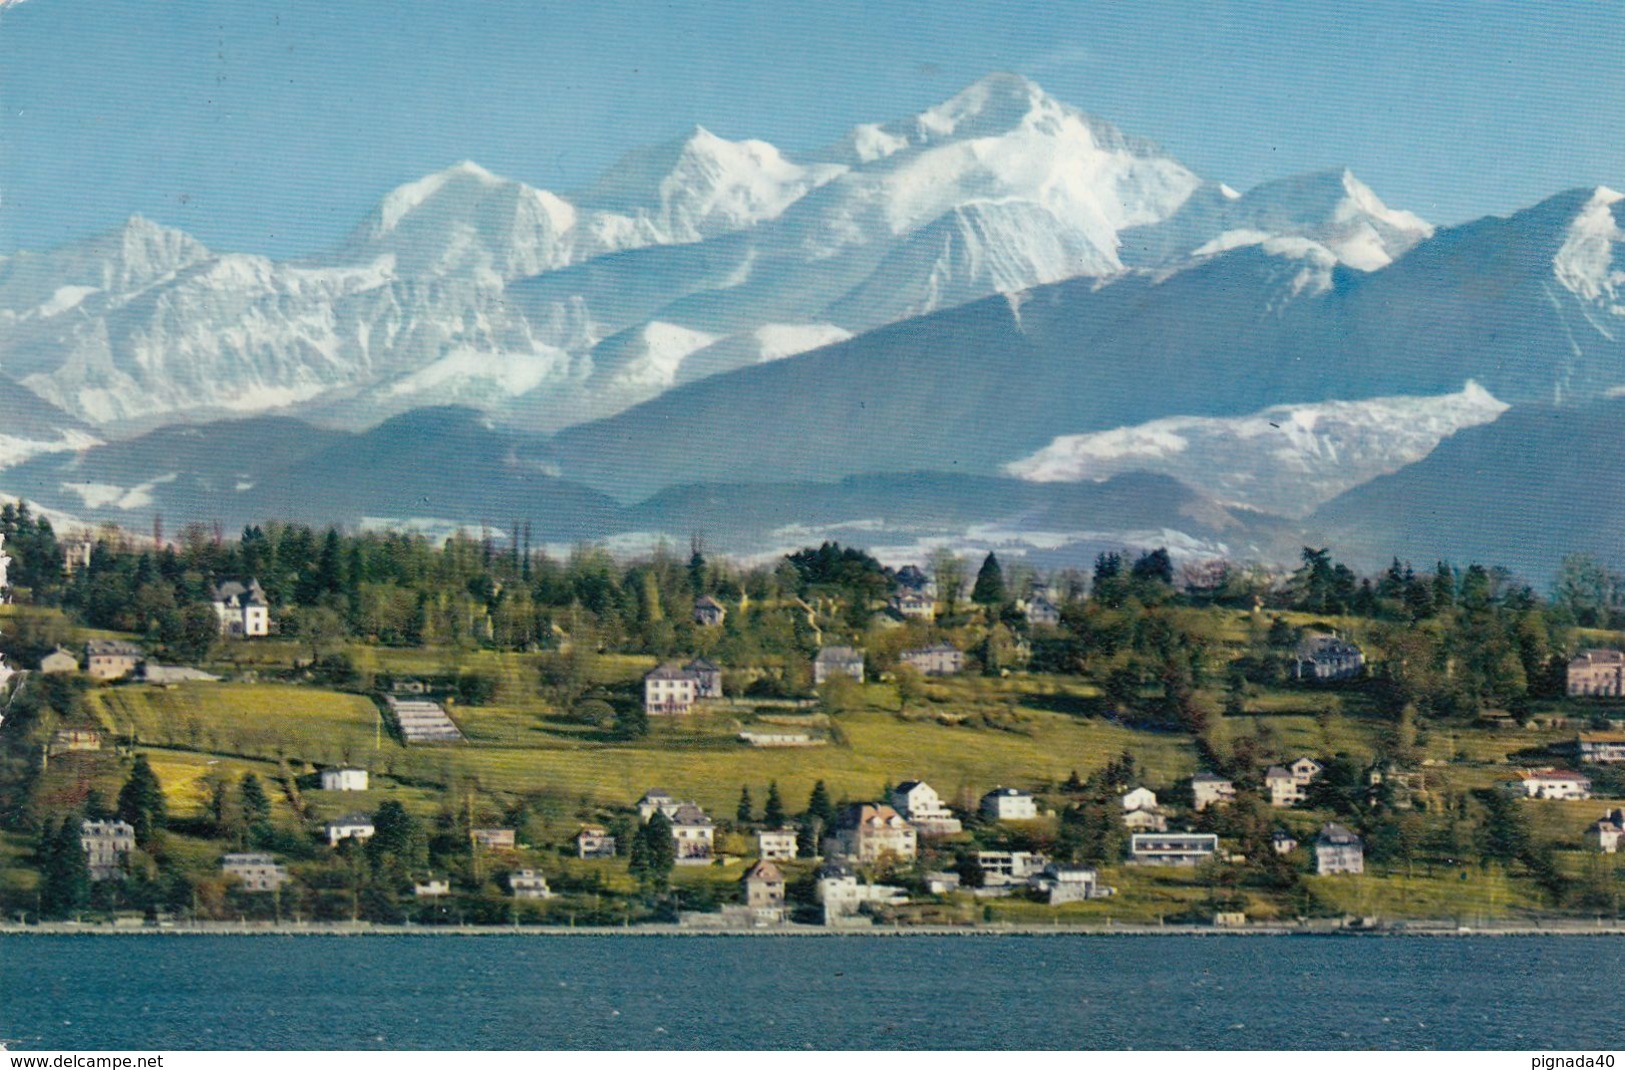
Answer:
(256, 805)
(256, 808)
(393, 832)
(743, 812)
(820, 806)
(654, 853)
(773, 811)
(65, 885)
(696, 570)
(141, 801)
(989, 588)
(354, 573)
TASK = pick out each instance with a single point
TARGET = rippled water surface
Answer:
(180, 992)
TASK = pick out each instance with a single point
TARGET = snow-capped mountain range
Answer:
(1002, 301)
(684, 260)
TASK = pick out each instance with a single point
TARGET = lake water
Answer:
(181, 992)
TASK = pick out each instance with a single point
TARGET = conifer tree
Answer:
(819, 805)
(743, 813)
(696, 571)
(989, 588)
(773, 812)
(256, 805)
(65, 888)
(141, 801)
(654, 853)
(393, 832)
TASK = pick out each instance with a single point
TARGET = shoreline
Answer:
(335, 929)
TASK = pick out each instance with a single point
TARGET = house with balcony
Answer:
(919, 803)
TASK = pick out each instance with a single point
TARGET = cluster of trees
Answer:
(65, 885)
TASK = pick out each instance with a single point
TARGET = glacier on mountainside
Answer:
(1287, 459)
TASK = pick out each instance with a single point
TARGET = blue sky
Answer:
(273, 126)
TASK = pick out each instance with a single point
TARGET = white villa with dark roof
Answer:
(242, 609)
(693, 834)
(692, 831)
(670, 691)
(1337, 850)
(1009, 804)
(1068, 883)
(912, 605)
(923, 807)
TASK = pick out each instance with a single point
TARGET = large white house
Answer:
(919, 802)
(693, 834)
(242, 609)
(1068, 884)
(670, 690)
(1009, 804)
